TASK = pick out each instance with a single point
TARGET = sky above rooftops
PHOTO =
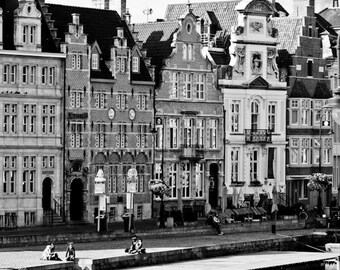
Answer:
(139, 8)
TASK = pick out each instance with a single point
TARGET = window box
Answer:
(237, 184)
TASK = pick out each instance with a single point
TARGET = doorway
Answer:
(47, 194)
(76, 200)
(213, 185)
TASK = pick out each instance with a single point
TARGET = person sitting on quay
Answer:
(214, 221)
(49, 254)
(136, 246)
(70, 252)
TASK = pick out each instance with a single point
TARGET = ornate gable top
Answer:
(255, 7)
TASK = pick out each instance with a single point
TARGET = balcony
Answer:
(193, 152)
(258, 135)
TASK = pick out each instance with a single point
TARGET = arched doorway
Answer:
(47, 194)
(76, 200)
(213, 185)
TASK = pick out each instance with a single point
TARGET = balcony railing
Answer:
(191, 152)
(258, 135)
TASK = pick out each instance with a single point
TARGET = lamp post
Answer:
(324, 115)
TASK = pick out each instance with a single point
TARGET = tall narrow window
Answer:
(254, 166)
(188, 132)
(235, 116)
(25, 34)
(100, 136)
(159, 137)
(94, 61)
(272, 117)
(305, 112)
(175, 85)
(6, 73)
(76, 134)
(200, 86)
(48, 119)
(294, 151)
(200, 133)
(213, 133)
(173, 172)
(32, 35)
(113, 178)
(294, 111)
(29, 118)
(199, 180)
(186, 177)
(29, 174)
(44, 74)
(9, 174)
(25, 74)
(10, 118)
(254, 115)
(188, 85)
(234, 157)
(271, 163)
(305, 151)
(173, 128)
(135, 64)
(140, 177)
(310, 68)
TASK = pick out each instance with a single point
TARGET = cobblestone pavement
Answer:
(21, 257)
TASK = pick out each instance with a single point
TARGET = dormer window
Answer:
(94, 62)
(120, 32)
(28, 34)
(135, 64)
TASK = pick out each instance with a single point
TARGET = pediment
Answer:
(258, 82)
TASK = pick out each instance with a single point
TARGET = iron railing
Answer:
(258, 135)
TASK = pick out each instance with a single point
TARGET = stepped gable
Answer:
(157, 38)
(298, 90)
(101, 29)
(8, 7)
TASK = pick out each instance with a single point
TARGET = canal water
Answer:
(285, 260)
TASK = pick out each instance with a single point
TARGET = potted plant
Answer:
(160, 189)
(319, 182)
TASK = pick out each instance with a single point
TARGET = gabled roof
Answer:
(331, 15)
(322, 91)
(219, 57)
(157, 38)
(8, 7)
(101, 29)
(289, 28)
(224, 11)
(298, 90)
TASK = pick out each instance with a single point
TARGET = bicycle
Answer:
(303, 215)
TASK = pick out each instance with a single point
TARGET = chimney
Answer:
(106, 4)
(123, 9)
(75, 18)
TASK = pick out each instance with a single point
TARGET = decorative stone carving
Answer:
(272, 68)
(256, 63)
(240, 59)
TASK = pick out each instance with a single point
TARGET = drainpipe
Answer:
(63, 146)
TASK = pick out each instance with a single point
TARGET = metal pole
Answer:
(98, 223)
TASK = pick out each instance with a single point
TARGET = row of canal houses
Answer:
(220, 100)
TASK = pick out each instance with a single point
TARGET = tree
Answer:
(319, 182)
(160, 189)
